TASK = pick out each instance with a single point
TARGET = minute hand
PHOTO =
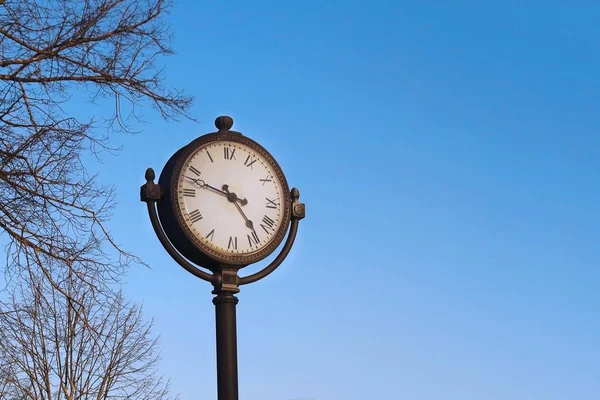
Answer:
(203, 184)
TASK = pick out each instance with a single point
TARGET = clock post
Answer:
(186, 212)
(225, 320)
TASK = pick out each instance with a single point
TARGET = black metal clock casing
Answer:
(256, 192)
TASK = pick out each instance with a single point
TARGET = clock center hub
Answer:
(232, 197)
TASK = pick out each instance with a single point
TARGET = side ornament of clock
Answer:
(222, 203)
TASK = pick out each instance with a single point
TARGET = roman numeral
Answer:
(208, 154)
(271, 203)
(189, 192)
(228, 153)
(253, 239)
(195, 216)
(194, 170)
(249, 162)
(265, 180)
(232, 243)
(210, 235)
(268, 224)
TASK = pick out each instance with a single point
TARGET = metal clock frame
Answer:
(224, 271)
(174, 224)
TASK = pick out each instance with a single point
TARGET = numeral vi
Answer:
(232, 243)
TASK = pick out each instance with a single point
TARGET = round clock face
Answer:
(232, 198)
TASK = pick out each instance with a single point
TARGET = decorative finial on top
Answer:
(150, 175)
(224, 123)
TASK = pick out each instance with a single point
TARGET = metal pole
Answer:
(227, 371)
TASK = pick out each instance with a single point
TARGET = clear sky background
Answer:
(448, 156)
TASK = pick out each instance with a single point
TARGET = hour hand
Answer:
(232, 197)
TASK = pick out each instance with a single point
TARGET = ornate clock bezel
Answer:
(173, 220)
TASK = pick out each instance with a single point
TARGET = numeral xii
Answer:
(229, 153)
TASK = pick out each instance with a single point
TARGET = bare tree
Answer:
(52, 212)
(54, 348)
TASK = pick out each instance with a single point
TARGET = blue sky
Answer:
(448, 158)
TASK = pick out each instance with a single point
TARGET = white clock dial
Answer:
(230, 198)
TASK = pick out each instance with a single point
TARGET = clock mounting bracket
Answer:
(224, 278)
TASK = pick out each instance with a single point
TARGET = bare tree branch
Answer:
(53, 214)
(96, 347)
